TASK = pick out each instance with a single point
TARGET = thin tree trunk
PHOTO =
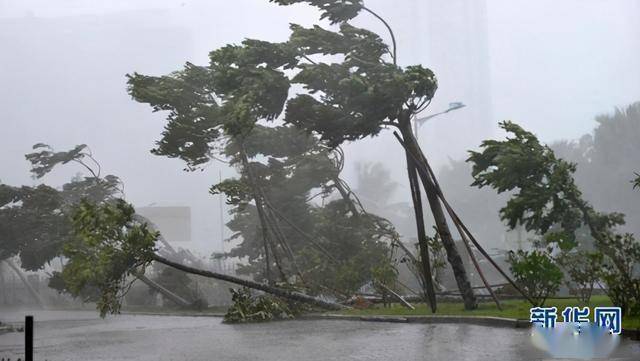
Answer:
(453, 256)
(416, 197)
(25, 281)
(280, 292)
(426, 171)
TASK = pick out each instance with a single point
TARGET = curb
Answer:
(491, 321)
(473, 320)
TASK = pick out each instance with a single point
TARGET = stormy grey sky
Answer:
(552, 66)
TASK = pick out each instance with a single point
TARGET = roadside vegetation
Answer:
(515, 309)
(301, 231)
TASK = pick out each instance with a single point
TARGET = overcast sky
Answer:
(551, 66)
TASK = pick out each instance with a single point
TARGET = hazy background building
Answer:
(173, 222)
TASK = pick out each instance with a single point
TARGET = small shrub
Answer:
(620, 271)
(249, 308)
(536, 273)
(584, 270)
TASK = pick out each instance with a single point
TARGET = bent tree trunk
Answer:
(276, 291)
(453, 256)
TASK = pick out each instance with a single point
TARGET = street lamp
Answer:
(417, 122)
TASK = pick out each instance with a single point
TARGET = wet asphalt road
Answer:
(81, 335)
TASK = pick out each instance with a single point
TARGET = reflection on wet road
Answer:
(69, 336)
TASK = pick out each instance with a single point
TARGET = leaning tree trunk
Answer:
(277, 291)
(453, 256)
(427, 277)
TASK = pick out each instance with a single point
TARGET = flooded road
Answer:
(69, 336)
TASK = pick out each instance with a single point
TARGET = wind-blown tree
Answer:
(34, 221)
(606, 159)
(360, 94)
(220, 111)
(547, 201)
(355, 97)
(327, 247)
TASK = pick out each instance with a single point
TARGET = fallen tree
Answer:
(111, 246)
(276, 291)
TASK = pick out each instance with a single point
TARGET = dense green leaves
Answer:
(547, 201)
(545, 191)
(44, 159)
(246, 307)
(222, 110)
(108, 247)
(207, 105)
(354, 98)
(35, 221)
(584, 269)
(537, 273)
(33, 224)
(335, 10)
(607, 160)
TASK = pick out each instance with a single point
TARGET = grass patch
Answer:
(510, 309)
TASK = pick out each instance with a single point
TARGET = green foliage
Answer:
(536, 272)
(208, 104)
(109, 246)
(545, 193)
(237, 191)
(359, 245)
(606, 160)
(45, 159)
(32, 224)
(353, 99)
(35, 221)
(437, 256)
(584, 269)
(222, 110)
(620, 271)
(547, 201)
(335, 10)
(249, 308)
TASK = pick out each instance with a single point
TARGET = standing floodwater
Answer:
(83, 336)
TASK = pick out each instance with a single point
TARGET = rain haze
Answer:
(552, 67)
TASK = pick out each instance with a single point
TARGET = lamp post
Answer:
(418, 122)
